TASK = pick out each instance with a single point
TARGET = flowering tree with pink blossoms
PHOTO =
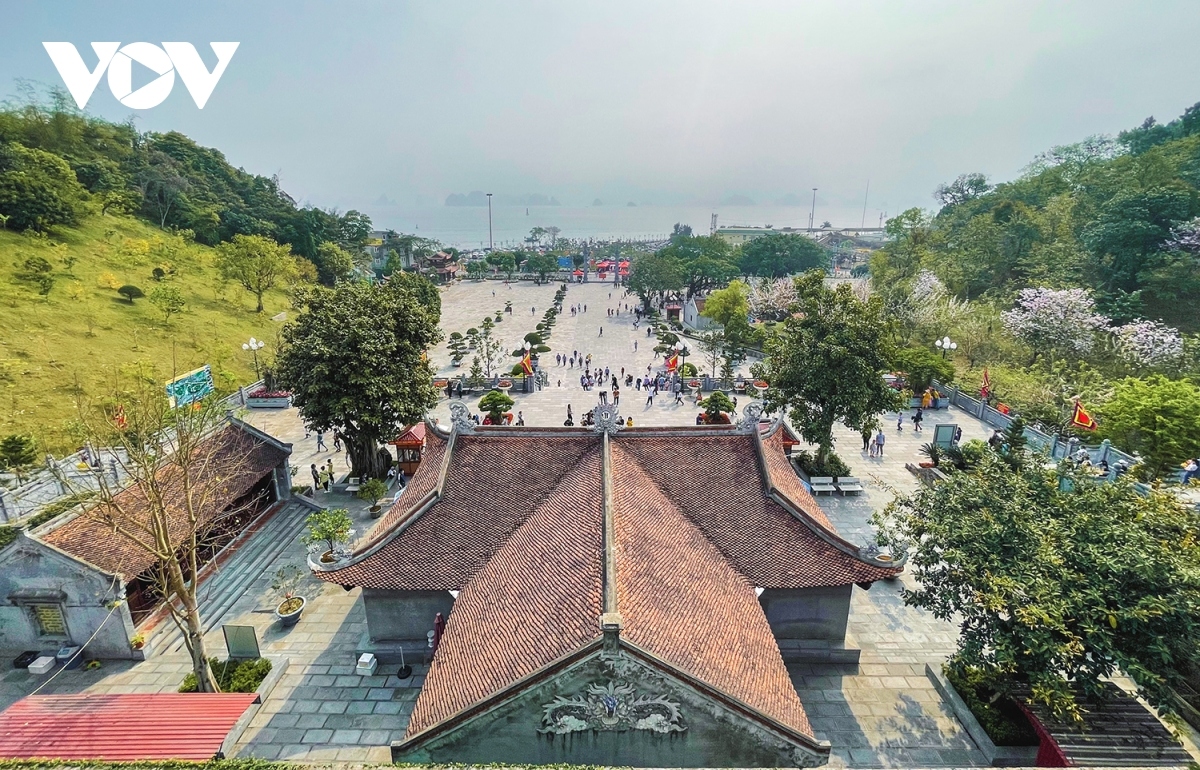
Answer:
(1148, 343)
(1058, 320)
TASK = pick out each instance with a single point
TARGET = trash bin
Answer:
(66, 653)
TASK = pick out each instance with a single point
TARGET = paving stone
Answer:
(311, 721)
(317, 736)
(333, 707)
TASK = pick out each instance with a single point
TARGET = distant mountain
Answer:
(737, 200)
(383, 200)
(478, 198)
(791, 199)
(597, 202)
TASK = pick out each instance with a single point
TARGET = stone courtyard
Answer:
(883, 713)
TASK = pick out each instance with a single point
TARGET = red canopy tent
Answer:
(577, 273)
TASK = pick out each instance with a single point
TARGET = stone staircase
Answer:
(254, 558)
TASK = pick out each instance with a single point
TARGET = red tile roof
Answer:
(240, 460)
(715, 480)
(120, 728)
(537, 599)
(518, 528)
(693, 609)
(493, 484)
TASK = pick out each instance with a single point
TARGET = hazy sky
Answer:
(649, 101)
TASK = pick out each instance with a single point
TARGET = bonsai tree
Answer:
(372, 491)
(495, 404)
(715, 405)
(476, 378)
(130, 293)
(329, 527)
(458, 347)
(286, 581)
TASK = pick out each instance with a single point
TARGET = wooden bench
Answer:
(821, 484)
(849, 485)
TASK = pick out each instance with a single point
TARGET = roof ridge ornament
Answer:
(460, 419)
(751, 413)
(606, 420)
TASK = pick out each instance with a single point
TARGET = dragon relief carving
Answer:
(612, 706)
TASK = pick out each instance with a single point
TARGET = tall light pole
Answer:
(812, 214)
(254, 346)
(489, 195)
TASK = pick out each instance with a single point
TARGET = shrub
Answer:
(372, 490)
(688, 370)
(833, 467)
(130, 292)
(923, 367)
(108, 281)
(233, 675)
(933, 452)
(1000, 719)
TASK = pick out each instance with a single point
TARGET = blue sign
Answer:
(565, 262)
(191, 387)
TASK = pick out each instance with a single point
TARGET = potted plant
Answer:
(933, 452)
(330, 528)
(268, 399)
(138, 641)
(495, 404)
(504, 386)
(373, 490)
(286, 581)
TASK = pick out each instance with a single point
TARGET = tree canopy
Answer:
(777, 255)
(1155, 417)
(1055, 579)
(255, 263)
(828, 363)
(354, 363)
(654, 276)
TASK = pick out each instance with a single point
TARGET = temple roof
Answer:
(668, 531)
(229, 463)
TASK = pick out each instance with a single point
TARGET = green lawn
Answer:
(82, 335)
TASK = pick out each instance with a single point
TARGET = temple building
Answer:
(73, 580)
(612, 596)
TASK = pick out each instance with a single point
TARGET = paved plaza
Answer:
(884, 713)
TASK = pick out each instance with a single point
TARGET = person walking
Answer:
(601, 331)
(616, 391)
(900, 422)
(866, 437)
(917, 418)
(649, 396)
(879, 440)
(316, 478)
(635, 346)
(321, 442)
(604, 396)
(520, 418)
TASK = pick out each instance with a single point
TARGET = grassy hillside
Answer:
(81, 335)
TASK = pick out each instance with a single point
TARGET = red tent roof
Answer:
(578, 272)
(120, 728)
(413, 437)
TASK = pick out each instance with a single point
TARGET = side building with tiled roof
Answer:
(611, 596)
(74, 579)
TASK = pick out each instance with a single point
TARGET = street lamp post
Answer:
(944, 344)
(489, 197)
(254, 346)
(812, 214)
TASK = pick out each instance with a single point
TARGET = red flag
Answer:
(1081, 419)
(119, 418)
(527, 363)
(673, 362)
(986, 386)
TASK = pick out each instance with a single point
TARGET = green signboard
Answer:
(191, 387)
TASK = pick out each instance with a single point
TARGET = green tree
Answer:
(256, 263)
(1055, 581)
(426, 292)
(777, 255)
(168, 300)
(542, 265)
(38, 189)
(18, 452)
(354, 363)
(1156, 418)
(477, 269)
(329, 527)
(495, 404)
(130, 293)
(717, 404)
(38, 271)
(922, 367)
(829, 362)
(333, 263)
(654, 276)
(725, 305)
(504, 262)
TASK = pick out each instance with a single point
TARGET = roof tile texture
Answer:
(233, 463)
(692, 608)
(537, 599)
